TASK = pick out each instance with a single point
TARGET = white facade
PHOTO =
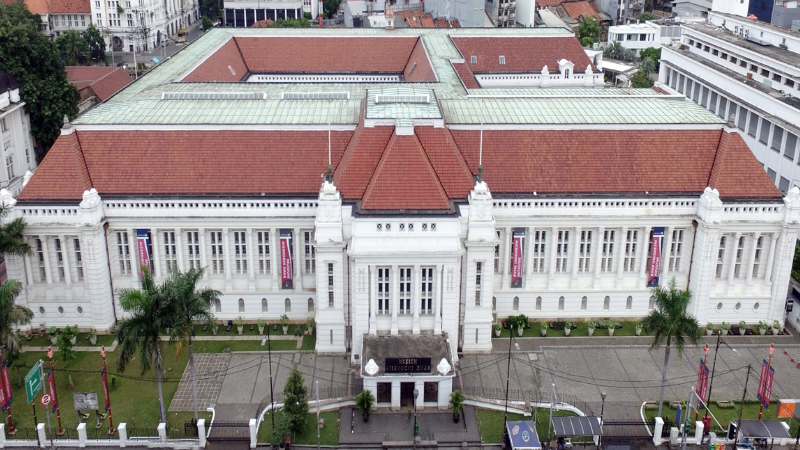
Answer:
(142, 25)
(639, 36)
(15, 137)
(244, 13)
(756, 82)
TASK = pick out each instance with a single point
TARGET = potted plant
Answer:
(284, 319)
(544, 328)
(611, 327)
(567, 328)
(639, 327)
(762, 327)
(260, 324)
(456, 404)
(310, 326)
(53, 331)
(591, 328)
(364, 402)
(709, 329)
(742, 327)
(522, 324)
(93, 336)
(725, 327)
(73, 330)
(776, 327)
(497, 330)
(239, 325)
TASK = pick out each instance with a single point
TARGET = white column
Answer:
(598, 255)
(299, 259)
(505, 258)
(226, 256)
(203, 260)
(179, 248)
(251, 267)
(665, 254)
(395, 395)
(751, 260)
(274, 255)
(576, 255)
(65, 257)
(416, 297)
(372, 271)
(438, 285)
(529, 233)
(133, 245)
(732, 266)
(553, 243)
(156, 255)
(394, 288)
(46, 254)
(771, 259)
(29, 270)
(420, 400)
(645, 264)
(621, 256)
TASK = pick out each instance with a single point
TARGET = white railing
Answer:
(118, 208)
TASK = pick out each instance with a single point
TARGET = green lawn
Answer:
(723, 415)
(134, 397)
(490, 423)
(275, 330)
(582, 330)
(328, 435)
(241, 346)
(83, 341)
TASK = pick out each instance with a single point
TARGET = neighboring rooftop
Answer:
(102, 81)
(56, 6)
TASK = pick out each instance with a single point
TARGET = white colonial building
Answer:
(15, 125)
(460, 191)
(142, 25)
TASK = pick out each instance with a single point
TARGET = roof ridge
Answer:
(81, 161)
(379, 167)
(351, 146)
(241, 55)
(719, 159)
(431, 166)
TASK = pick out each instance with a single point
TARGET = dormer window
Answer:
(473, 60)
(502, 60)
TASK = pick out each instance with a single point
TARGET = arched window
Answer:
(310, 305)
(287, 305)
(515, 306)
(606, 303)
(241, 305)
(494, 303)
(331, 336)
(264, 305)
(629, 303)
(561, 303)
(538, 303)
(652, 303)
(584, 303)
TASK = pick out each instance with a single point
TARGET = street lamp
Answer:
(713, 367)
(416, 427)
(741, 407)
(602, 410)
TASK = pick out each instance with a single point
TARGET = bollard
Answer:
(253, 433)
(658, 429)
(41, 433)
(2, 435)
(82, 435)
(162, 432)
(698, 431)
(673, 436)
(201, 433)
(122, 429)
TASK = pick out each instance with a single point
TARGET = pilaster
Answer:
(95, 262)
(330, 248)
(480, 243)
(705, 247)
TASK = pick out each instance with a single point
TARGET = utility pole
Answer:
(316, 386)
(271, 395)
(46, 407)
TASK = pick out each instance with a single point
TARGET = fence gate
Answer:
(623, 435)
(230, 431)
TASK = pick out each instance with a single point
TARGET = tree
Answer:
(646, 16)
(139, 335)
(295, 400)
(72, 47)
(330, 7)
(65, 349)
(587, 42)
(670, 322)
(11, 240)
(187, 306)
(207, 24)
(641, 80)
(589, 27)
(648, 65)
(95, 43)
(652, 53)
(11, 316)
(33, 60)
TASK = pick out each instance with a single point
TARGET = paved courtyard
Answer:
(210, 370)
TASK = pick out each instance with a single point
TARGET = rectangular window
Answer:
(539, 239)
(696, 92)
(193, 249)
(10, 166)
(217, 255)
(264, 261)
(752, 128)
(384, 279)
(763, 134)
(405, 290)
(309, 252)
(742, 122)
(83, 20)
(721, 258)
(783, 186)
(497, 268)
(27, 155)
(731, 112)
(713, 105)
(790, 147)
(170, 251)
(585, 251)
(631, 239)
(607, 257)
(478, 273)
(777, 138)
(772, 175)
(788, 82)
(3, 125)
(704, 98)
(562, 251)
(723, 106)
(76, 248)
(330, 285)
(40, 261)
(426, 306)
(240, 251)
(757, 257)
(59, 259)
(675, 248)
(124, 253)
(737, 268)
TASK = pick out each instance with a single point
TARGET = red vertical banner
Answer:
(702, 381)
(762, 381)
(7, 383)
(655, 257)
(286, 259)
(104, 377)
(51, 381)
(142, 239)
(765, 384)
(3, 403)
(517, 242)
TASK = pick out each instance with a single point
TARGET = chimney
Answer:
(389, 17)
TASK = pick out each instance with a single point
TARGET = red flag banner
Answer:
(104, 377)
(286, 259)
(655, 257)
(702, 381)
(518, 239)
(51, 381)
(7, 383)
(765, 384)
(3, 403)
(143, 250)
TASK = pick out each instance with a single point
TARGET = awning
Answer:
(763, 429)
(577, 426)
(522, 435)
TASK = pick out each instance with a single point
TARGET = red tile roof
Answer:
(466, 76)
(103, 81)
(71, 7)
(360, 160)
(546, 3)
(522, 54)
(441, 22)
(447, 160)
(454, 23)
(217, 67)
(418, 60)
(578, 9)
(596, 161)
(427, 21)
(405, 179)
(63, 174)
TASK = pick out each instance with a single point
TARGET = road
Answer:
(193, 33)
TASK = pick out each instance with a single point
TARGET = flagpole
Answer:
(7, 387)
(53, 388)
(108, 395)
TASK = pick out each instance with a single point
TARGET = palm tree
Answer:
(669, 320)
(140, 333)
(11, 315)
(11, 240)
(189, 305)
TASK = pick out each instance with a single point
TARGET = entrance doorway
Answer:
(406, 394)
